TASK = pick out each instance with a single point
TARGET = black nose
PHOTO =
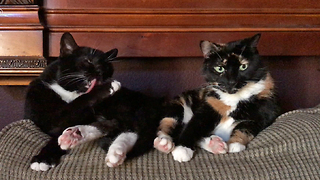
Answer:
(231, 87)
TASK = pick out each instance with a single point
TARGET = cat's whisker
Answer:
(69, 77)
(94, 51)
(73, 81)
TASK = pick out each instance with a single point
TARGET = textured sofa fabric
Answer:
(288, 149)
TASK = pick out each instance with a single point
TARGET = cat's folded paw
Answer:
(115, 86)
(70, 138)
(182, 154)
(236, 147)
(115, 157)
(163, 144)
(40, 166)
(76, 135)
(214, 144)
(43, 162)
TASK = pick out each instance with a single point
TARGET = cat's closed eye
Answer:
(86, 63)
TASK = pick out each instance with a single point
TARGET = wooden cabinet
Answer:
(153, 28)
(160, 28)
(21, 44)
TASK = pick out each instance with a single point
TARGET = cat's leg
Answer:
(118, 149)
(76, 135)
(48, 157)
(200, 125)
(164, 141)
(241, 135)
(214, 144)
(80, 134)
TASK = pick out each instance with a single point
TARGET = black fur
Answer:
(74, 70)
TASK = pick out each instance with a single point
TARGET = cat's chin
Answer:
(91, 85)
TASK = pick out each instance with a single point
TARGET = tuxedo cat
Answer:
(237, 102)
(77, 90)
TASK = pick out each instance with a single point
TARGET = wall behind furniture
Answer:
(297, 79)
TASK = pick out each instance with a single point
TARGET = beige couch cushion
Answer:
(289, 149)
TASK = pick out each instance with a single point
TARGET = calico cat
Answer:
(77, 89)
(237, 102)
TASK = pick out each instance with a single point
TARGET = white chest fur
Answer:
(242, 95)
(65, 95)
(225, 128)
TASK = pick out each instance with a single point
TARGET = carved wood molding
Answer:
(22, 66)
(20, 70)
(15, 2)
(19, 62)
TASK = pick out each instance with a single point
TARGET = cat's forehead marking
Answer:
(243, 61)
(224, 62)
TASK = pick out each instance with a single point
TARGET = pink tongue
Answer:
(93, 83)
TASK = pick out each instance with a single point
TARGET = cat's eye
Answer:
(219, 69)
(243, 67)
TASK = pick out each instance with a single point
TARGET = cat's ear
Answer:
(208, 47)
(254, 40)
(67, 44)
(111, 55)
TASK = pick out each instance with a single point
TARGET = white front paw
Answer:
(236, 147)
(115, 86)
(40, 166)
(182, 154)
(115, 157)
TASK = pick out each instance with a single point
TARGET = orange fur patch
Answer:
(240, 137)
(219, 106)
(167, 124)
(269, 85)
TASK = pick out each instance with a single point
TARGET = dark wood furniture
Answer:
(21, 42)
(152, 28)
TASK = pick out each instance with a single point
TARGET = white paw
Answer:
(236, 147)
(40, 166)
(163, 144)
(115, 157)
(182, 154)
(115, 86)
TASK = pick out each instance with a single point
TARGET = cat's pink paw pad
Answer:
(115, 157)
(69, 138)
(217, 145)
(163, 144)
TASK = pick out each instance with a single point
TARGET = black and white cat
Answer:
(76, 89)
(237, 103)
